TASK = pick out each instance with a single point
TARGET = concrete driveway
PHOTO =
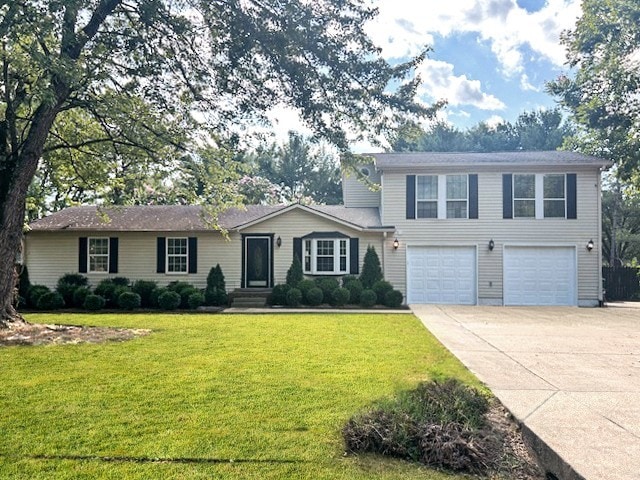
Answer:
(570, 375)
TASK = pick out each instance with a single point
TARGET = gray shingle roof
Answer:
(385, 161)
(183, 218)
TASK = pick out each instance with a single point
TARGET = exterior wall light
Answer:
(279, 242)
(492, 245)
(590, 245)
(396, 243)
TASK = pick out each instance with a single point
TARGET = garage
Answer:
(444, 275)
(540, 275)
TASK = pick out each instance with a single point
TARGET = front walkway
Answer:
(570, 375)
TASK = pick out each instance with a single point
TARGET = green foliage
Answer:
(327, 285)
(185, 293)
(144, 288)
(24, 284)
(215, 278)
(94, 302)
(215, 293)
(304, 286)
(215, 297)
(121, 281)
(355, 290)
(196, 299)
(169, 300)
(35, 292)
(50, 301)
(177, 286)
(620, 224)
(381, 287)
(294, 297)
(107, 290)
(393, 298)
(371, 269)
(155, 295)
(368, 298)
(348, 278)
(129, 300)
(313, 297)
(68, 283)
(79, 296)
(294, 274)
(279, 294)
(340, 297)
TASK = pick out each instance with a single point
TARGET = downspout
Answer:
(600, 279)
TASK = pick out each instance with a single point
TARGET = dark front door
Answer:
(257, 268)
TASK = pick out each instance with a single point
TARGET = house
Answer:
(509, 228)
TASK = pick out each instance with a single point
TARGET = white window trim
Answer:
(442, 197)
(167, 255)
(564, 199)
(539, 196)
(89, 255)
(336, 256)
(437, 200)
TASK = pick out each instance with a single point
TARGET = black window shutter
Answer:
(354, 261)
(82, 255)
(507, 195)
(193, 255)
(411, 197)
(161, 254)
(572, 196)
(113, 255)
(473, 196)
(297, 248)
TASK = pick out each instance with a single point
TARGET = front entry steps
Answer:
(249, 297)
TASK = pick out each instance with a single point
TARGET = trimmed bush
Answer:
(107, 290)
(348, 278)
(155, 295)
(216, 297)
(144, 288)
(381, 287)
(129, 300)
(177, 286)
(371, 269)
(24, 285)
(314, 297)
(304, 286)
(393, 298)
(355, 289)
(340, 297)
(185, 293)
(215, 278)
(195, 300)
(294, 297)
(279, 294)
(327, 285)
(169, 300)
(50, 301)
(216, 291)
(93, 302)
(368, 298)
(35, 292)
(121, 281)
(79, 296)
(294, 274)
(67, 285)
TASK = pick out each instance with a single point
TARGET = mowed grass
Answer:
(211, 396)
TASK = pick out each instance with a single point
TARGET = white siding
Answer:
(356, 193)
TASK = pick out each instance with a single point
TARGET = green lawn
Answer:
(210, 396)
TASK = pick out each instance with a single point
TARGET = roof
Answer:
(537, 158)
(189, 218)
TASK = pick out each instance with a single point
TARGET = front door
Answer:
(257, 264)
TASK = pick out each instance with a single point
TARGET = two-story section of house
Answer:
(509, 228)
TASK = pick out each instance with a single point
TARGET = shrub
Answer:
(368, 298)
(50, 301)
(79, 296)
(371, 269)
(24, 284)
(215, 279)
(294, 297)
(195, 300)
(348, 278)
(216, 291)
(177, 286)
(304, 286)
(185, 293)
(294, 274)
(129, 300)
(155, 295)
(93, 302)
(214, 296)
(355, 289)
(393, 298)
(35, 292)
(327, 285)
(381, 287)
(144, 288)
(169, 300)
(121, 281)
(67, 285)
(340, 297)
(279, 294)
(314, 297)
(107, 290)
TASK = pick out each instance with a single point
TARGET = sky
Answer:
(490, 59)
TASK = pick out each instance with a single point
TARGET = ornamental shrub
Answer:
(371, 269)
(169, 300)
(35, 292)
(294, 274)
(177, 286)
(381, 287)
(340, 297)
(314, 297)
(368, 298)
(355, 289)
(129, 300)
(393, 298)
(195, 300)
(50, 301)
(144, 288)
(185, 293)
(294, 297)
(93, 302)
(155, 295)
(216, 291)
(68, 283)
(107, 290)
(216, 297)
(215, 279)
(279, 294)
(121, 281)
(24, 284)
(327, 285)
(348, 278)
(304, 286)
(79, 296)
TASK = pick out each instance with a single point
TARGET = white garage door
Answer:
(539, 276)
(441, 275)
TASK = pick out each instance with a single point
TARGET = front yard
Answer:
(204, 396)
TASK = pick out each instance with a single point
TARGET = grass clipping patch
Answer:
(444, 425)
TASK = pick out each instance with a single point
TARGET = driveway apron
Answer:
(571, 376)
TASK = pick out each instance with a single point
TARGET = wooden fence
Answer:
(621, 283)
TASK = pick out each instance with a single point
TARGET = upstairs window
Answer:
(554, 196)
(457, 196)
(524, 196)
(442, 196)
(542, 195)
(427, 196)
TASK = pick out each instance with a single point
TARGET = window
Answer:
(98, 250)
(177, 255)
(442, 196)
(427, 196)
(524, 196)
(324, 256)
(554, 196)
(456, 196)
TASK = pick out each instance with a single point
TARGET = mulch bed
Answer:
(42, 334)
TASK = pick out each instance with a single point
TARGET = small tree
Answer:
(371, 269)
(216, 291)
(294, 274)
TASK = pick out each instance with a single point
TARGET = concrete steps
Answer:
(249, 297)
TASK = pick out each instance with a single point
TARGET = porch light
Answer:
(279, 242)
(396, 243)
(590, 245)
(491, 245)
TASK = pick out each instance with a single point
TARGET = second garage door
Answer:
(441, 275)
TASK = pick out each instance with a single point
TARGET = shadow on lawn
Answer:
(125, 459)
